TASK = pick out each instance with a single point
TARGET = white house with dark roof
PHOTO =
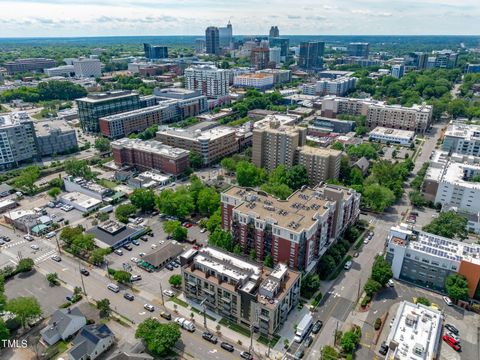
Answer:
(91, 342)
(63, 324)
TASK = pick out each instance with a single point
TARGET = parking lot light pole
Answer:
(161, 293)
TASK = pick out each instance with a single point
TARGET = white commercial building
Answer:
(87, 68)
(258, 80)
(338, 86)
(210, 80)
(393, 136)
(415, 333)
(64, 70)
(81, 202)
(462, 138)
(86, 187)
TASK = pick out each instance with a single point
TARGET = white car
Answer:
(203, 230)
(154, 246)
(390, 283)
(149, 307)
(135, 260)
(168, 293)
(28, 237)
(447, 300)
(35, 247)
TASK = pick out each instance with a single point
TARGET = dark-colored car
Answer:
(136, 242)
(84, 272)
(144, 238)
(209, 337)
(317, 326)
(452, 328)
(129, 296)
(299, 354)
(308, 341)
(246, 355)
(151, 234)
(169, 267)
(226, 346)
(383, 348)
(166, 315)
(127, 247)
(6, 239)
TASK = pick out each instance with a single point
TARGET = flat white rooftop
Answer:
(415, 333)
(461, 130)
(397, 133)
(206, 135)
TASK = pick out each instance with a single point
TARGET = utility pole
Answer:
(269, 341)
(161, 293)
(335, 335)
(58, 245)
(81, 277)
(358, 291)
(251, 339)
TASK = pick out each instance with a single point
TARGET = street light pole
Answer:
(58, 245)
(204, 312)
(161, 293)
(81, 277)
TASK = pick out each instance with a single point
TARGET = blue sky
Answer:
(20, 18)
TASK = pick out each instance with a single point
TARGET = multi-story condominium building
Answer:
(296, 231)
(275, 55)
(153, 52)
(321, 164)
(241, 291)
(56, 141)
(393, 136)
(122, 124)
(427, 259)
(212, 144)
(94, 106)
(417, 60)
(283, 44)
(85, 68)
(280, 76)
(225, 35)
(210, 80)
(259, 58)
(18, 142)
(446, 59)
(358, 49)
(274, 32)
(148, 155)
(415, 333)
(28, 65)
(462, 138)
(189, 102)
(339, 86)
(259, 81)
(212, 40)
(65, 70)
(276, 144)
(416, 118)
(311, 55)
(398, 71)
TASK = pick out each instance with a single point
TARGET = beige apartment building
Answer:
(321, 164)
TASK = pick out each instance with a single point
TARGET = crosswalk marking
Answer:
(9, 245)
(44, 257)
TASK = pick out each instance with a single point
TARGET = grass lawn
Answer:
(264, 340)
(179, 302)
(107, 183)
(195, 310)
(235, 327)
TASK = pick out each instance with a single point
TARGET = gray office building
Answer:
(283, 44)
(154, 52)
(311, 55)
(212, 40)
(56, 141)
(358, 49)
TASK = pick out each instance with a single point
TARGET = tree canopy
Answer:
(24, 308)
(78, 168)
(159, 338)
(144, 199)
(457, 287)
(124, 211)
(448, 224)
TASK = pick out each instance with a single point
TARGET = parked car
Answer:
(56, 258)
(348, 265)
(383, 349)
(366, 241)
(209, 337)
(168, 293)
(6, 239)
(226, 346)
(134, 260)
(135, 277)
(452, 342)
(127, 247)
(355, 255)
(299, 354)
(129, 296)
(174, 264)
(169, 267)
(452, 335)
(28, 237)
(149, 307)
(317, 326)
(390, 283)
(452, 329)
(136, 242)
(203, 230)
(308, 341)
(447, 300)
(166, 315)
(118, 252)
(142, 254)
(246, 355)
(144, 238)
(35, 247)
(84, 272)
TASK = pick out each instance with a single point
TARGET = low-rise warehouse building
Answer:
(112, 234)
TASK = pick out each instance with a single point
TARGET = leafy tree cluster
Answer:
(222, 238)
(102, 144)
(176, 230)
(350, 340)
(448, 224)
(381, 273)
(45, 91)
(457, 287)
(124, 82)
(254, 99)
(147, 134)
(310, 285)
(175, 280)
(332, 257)
(78, 168)
(159, 338)
(143, 199)
(282, 181)
(370, 151)
(27, 178)
(360, 123)
(124, 211)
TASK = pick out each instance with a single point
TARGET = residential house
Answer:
(63, 324)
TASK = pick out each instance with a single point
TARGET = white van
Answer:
(113, 288)
(50, 234)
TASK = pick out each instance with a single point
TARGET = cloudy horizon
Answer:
(66, 18)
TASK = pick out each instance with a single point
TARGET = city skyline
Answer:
(47, 18)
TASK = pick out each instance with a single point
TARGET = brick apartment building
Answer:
(147, 155)
(296, 231)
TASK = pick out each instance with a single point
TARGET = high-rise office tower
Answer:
(212, 40)
(155, 51)
(283, 44)
(398, 71)
(311, 55)
(274, 32)
(226, 35)
(359, 49)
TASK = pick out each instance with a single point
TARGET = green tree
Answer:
(68, 234)
(448, 224)
(349, 341)
(177, 203)
(54, 192)
(229, 164)
(27, 178)
(25, 265)
(83, 242)
(237, 249)
(423, 301)
(381, 270)
(252, 255)
(222, 239)
(170, 226)
(457, 287)
(297, 177)
(175, 280)
(52, 279)
(281, 191)
(122, 277)
(4, 332)
(337, 145)
(78, 168)
(310, 285)
(371, 287)
(362, 150)
(208, 201)
(195, 160)
(97, 256)
(24, 308)
(104, 307)
(329, 353)
(158, 338)
(268, 261)
(377, 197)
(102, 144)
(124, 211)
(249, 175)
(214, 221)
(144, 199)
